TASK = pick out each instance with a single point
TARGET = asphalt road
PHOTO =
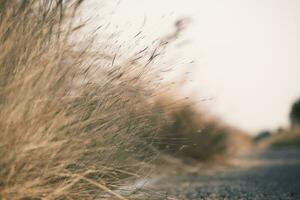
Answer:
(274, 175)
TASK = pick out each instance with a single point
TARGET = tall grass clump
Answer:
(73, 123)
(191, 134)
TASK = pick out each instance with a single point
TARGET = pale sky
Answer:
(246, 52)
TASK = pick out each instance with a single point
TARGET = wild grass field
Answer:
(74, 123)
(285, 139)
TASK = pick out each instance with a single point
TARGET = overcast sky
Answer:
(246, 52)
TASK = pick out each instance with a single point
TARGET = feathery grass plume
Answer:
(72, 124)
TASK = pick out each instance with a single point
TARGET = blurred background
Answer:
(245, 52)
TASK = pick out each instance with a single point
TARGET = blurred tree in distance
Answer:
(295, 113)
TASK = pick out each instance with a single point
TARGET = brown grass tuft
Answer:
(69, 126)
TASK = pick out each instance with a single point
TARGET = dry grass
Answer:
(73, 124)
(191, 134)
